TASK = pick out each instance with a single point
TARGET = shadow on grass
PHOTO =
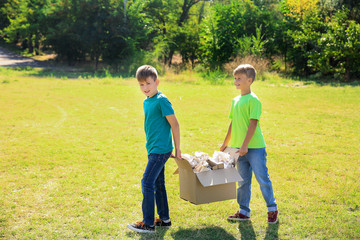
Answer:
(321, 81)
(211, 232)
(272, 231)
(68, 73)
(65, 73)
(247, 232)
(159, 234)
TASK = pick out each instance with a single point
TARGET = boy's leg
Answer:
(155, 164)
(160, 194)
(244, 189)
(257, 158)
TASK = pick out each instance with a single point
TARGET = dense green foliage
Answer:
(325, 39)
(311, 36)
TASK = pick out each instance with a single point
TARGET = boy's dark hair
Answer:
(145, 71)
(246, 69)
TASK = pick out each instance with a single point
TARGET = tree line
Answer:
(311, 37)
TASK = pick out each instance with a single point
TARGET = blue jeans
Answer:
(254, 160)
(153, 188)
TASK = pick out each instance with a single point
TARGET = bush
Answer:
(216, 77)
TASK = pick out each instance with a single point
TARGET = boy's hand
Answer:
(222, 148)
(243, 151)
(177, 154)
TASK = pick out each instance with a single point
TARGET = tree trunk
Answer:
(125, 12)
(96, 60)
(171, 54)
(30, 45)
(347, 70)
(37, 45)
(201, 13)
(185, 10)
(184, 15)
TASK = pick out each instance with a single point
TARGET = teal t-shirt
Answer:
(157, 128)
(244, 108)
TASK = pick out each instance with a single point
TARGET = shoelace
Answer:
(239, 215)
(140, 224)
(271, 214)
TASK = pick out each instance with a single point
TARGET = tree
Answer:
(337, 49)
(234, 29)
(168, 22)
(97, 29)
(324, 41)
(26, 23)
(4, 14)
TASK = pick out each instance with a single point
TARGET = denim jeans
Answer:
(254, 160)
(153, 188)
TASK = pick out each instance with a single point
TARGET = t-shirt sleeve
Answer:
(166, 107)
(255, 109)
(231, 110)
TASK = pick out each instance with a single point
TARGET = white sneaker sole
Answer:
(139, 230)
(239, 219)
(274, 222)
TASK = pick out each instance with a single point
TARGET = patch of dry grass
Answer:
(261, 65)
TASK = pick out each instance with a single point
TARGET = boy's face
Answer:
(149, 86)
(241, 81)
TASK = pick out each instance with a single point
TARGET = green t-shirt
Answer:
(244, 108)
(157, 128)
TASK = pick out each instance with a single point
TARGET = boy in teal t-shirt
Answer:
(245, 134)
(160, 122)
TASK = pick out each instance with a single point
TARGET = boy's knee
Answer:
(146, 184)
(263, 180)
(244, 183)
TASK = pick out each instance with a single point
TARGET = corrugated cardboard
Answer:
(206, 187)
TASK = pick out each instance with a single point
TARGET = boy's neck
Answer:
(245, 91)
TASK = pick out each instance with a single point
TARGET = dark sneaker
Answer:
(141, 227)
(238, 217)
(273, 217)
(160, 223)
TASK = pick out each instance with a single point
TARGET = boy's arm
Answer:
(250, 133)
(175, 129)
(227, 138)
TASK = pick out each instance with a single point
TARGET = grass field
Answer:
(72, 154)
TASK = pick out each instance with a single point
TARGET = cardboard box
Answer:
(206, 187)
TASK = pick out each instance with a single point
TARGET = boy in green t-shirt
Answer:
(160, 122)
(245, 134)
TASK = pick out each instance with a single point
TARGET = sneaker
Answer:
(141, 227)
(238, 217)
(160, 223)
(273, 217)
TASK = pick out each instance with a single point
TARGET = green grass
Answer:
(72, 154)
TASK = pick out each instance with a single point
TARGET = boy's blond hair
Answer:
(246, 69)
(145, 71)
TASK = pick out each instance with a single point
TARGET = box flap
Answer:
(217, 177)
(182, 163)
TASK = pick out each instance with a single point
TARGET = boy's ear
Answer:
(157, 81)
